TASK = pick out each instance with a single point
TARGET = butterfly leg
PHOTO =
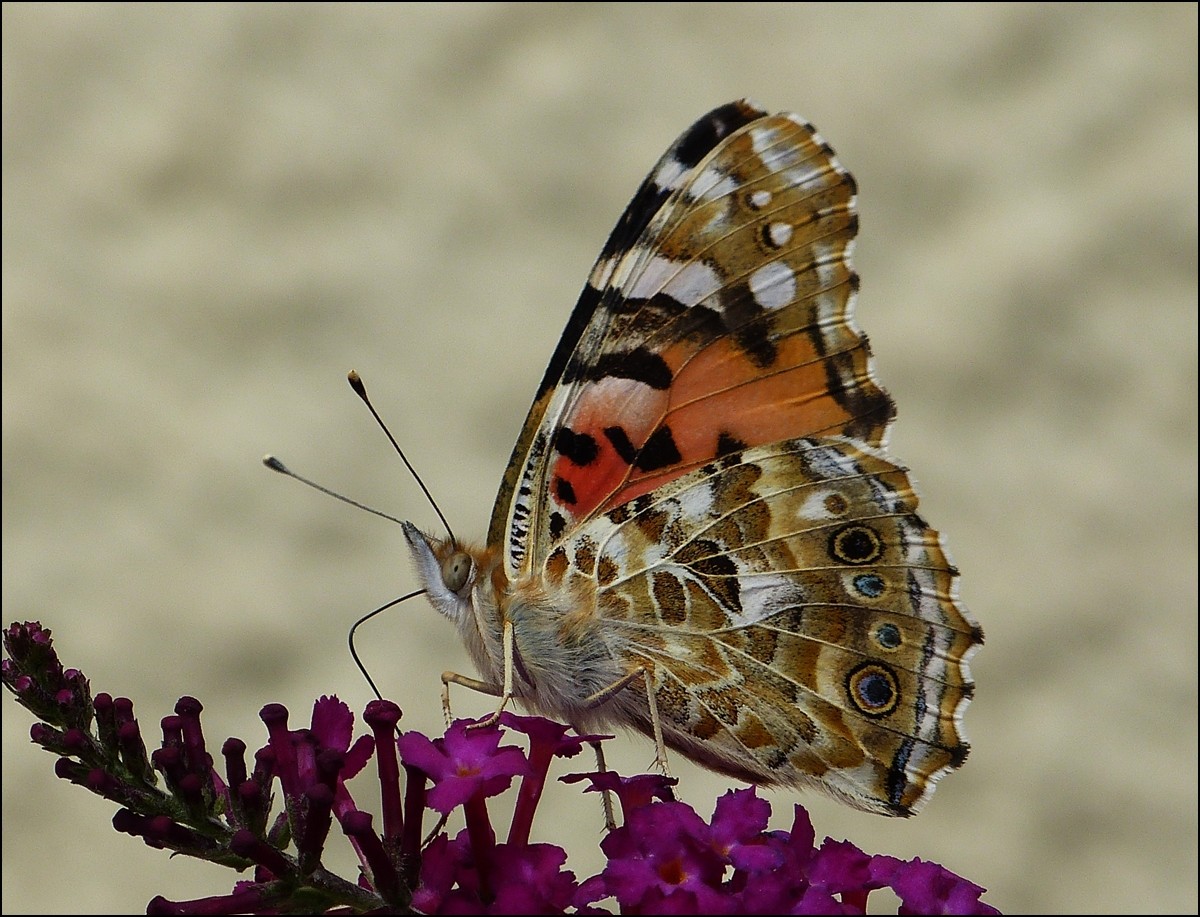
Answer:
(505, 692)
(610, 821)
(449, 678)
(607, 693)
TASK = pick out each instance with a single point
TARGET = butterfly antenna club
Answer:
(360, 389)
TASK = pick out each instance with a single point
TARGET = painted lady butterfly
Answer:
(700, 533)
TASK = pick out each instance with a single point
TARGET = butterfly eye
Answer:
(455, 570)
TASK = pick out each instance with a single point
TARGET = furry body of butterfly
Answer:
(560, 655)
(701, 534)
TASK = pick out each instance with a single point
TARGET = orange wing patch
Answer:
(719, 401)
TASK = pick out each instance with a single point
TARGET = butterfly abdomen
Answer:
(563, 653)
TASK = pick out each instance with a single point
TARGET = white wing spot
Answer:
(759, 199)
(764, 595)
(773, 285)
(805, 175)
(779, 234)
(763, 138)
(711, 184)
(815, 508)
(688, 282)
(669, 173)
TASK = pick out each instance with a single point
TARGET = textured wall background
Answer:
(212, 212)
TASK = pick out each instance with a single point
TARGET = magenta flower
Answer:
(664, 858)
(661, 861)
(462, 764)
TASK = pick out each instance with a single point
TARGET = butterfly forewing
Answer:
(520, 508)
(725, 324)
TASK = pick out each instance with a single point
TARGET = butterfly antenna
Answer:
(367, 617)
(356, 383)
(275, 465)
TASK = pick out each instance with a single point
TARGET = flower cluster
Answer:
(663, 858)
(666, 859)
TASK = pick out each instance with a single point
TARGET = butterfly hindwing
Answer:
(794, 608)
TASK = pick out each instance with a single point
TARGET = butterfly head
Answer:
(464, 585)
(446, 570)
(457, 579)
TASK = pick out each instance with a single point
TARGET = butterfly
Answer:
(700, 533)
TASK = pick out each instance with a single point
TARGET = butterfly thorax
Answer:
(560, 655)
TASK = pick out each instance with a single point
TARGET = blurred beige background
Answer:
(211, 213)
